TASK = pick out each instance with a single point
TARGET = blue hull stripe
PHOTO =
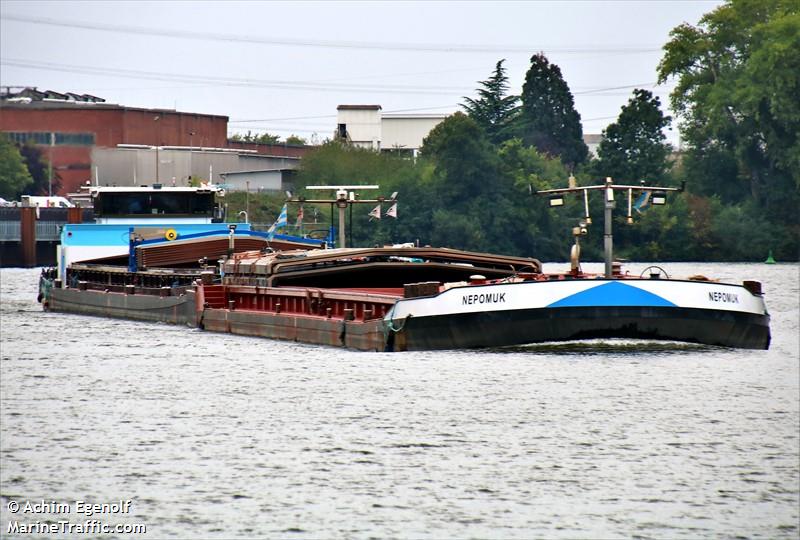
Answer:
(613, 294)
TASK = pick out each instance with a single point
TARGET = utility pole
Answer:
(191, 146)
(50, 165)
(158, 143)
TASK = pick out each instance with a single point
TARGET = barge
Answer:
(407, 298)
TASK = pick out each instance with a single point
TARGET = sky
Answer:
(284, 67)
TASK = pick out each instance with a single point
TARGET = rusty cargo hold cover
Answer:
(370, 267)
(188, 252)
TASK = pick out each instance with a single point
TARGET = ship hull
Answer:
(521, 327)
(140, 307)
(533, 312)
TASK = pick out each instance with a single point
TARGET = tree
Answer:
(462, 155)
(494, 110)
(295, 140)
(738, 74)
(459, 184)
(267, 138)
(39, 169)
(633, 147)
(249, 137)
(14, 175)
(548, 119)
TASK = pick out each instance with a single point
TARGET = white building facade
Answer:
(365, 126)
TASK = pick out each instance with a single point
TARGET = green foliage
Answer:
(40, 171)
(493, 110)
(260, 207)
(633, 147)
(295, 140)
(548, 119)
(463, 192)
(14, 175)
(463, 158)
(264, 138)
(468, 190)
(738, 78)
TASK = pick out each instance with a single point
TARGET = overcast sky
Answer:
(283, 67)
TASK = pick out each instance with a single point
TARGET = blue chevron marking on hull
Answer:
(613, 294)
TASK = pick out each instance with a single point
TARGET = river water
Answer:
(219, 436)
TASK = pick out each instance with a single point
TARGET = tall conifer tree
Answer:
(493, 110)
(548, 119)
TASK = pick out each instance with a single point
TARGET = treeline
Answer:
(737, 76)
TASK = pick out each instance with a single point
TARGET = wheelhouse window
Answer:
(154, 204)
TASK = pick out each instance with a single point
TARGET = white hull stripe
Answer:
(583, 294)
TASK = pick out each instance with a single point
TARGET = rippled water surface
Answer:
(221, 436)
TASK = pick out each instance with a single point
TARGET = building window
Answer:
(75, 139)
(43, 138)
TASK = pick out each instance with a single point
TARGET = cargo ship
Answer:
(406, 297)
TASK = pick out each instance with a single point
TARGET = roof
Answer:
(32, 98)
(358, 108)
(150, 189)
(255, 171)
(421, 116)
(34, 94)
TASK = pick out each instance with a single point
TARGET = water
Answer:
(219, 436)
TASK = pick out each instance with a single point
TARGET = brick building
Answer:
(68, 126)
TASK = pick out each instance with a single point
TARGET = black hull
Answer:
(520, 327)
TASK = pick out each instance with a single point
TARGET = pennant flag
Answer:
(376, 213)
(280, 222)
(392, 211)
(642, 202)
(300, 216)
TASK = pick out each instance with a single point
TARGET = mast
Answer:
(658, 196)
(344, 198)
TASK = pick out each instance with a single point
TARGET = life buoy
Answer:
(171, 234)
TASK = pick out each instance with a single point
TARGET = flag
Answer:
(376, 213)
(280, 222)
(300, 217)
(642, 202)
(392, 211)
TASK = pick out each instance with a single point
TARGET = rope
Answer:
(388, 324)
(44, 288)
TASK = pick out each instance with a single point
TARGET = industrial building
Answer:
(366, 126)
(89, 140)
